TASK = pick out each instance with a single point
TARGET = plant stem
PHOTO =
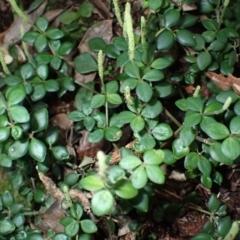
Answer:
(177, 123)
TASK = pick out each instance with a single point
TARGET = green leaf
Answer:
(6, 227)
(232, 58)
(120, 43)
(112, 133)
(43, 58)
(187, 136)
(92, 183)
(124, 189)
(122, 118)
(18, 149)
(216, 45)
(205, 7)
(224, 226)
(111, 87)
(187, 20)
(88, 226)
(52, 135)
(122, 59)
(213, 203)
(225, 68)
(204, 166)
(4, 133)
(164, 89)
(191, 161)
(38, 196)
(152, 109)
(165, 40)
(51, 86)
(160, 63)
(195, 104)
(171, 17)
(154, 5)
(97, 101)
(204, 59)
(216, 153)
(30, 36)
(130, 162)
(114, 98)
(37, 150)
(96, 44)
(56, 62)
(76, 116)
(139, 177)
(206, 181)
(42, 71)
(42, 23)
(115, 173)
(209, 24)
(153, 75)
(213, 107)
(71, 179)
(162, 132)
(16, 95)
(200, 43)
(216, 131)
(89, 123)
(222, 96)
(131, 69)
(60, 153)
(144, 91)
(235, 125)
(112, 52)
(7, 199)
(192, 118)
(179, 150)
(16, 180)
(26, 71)
(182, 104)
(231, 148)
(141, 202)
(137, 124)
(85, 10)
(153, 156)
(72, 229)
(19, 114)
(144, 143)
(168, 159)
(54, 33)
(185, 37)
(85, 63)
(96, 136)
(102, 203)
(209, 36)
(38, 92)
(5, 160)
(68, 17)
(155, 174)
(39, 120)
(40, 43)
(65, 48)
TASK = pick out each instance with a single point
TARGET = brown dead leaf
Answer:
(56, 193)
(50, 219)
(102, 29)
(13, 34)
(85, 148)
(101, 9)
(225, 82)
(185, 7)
